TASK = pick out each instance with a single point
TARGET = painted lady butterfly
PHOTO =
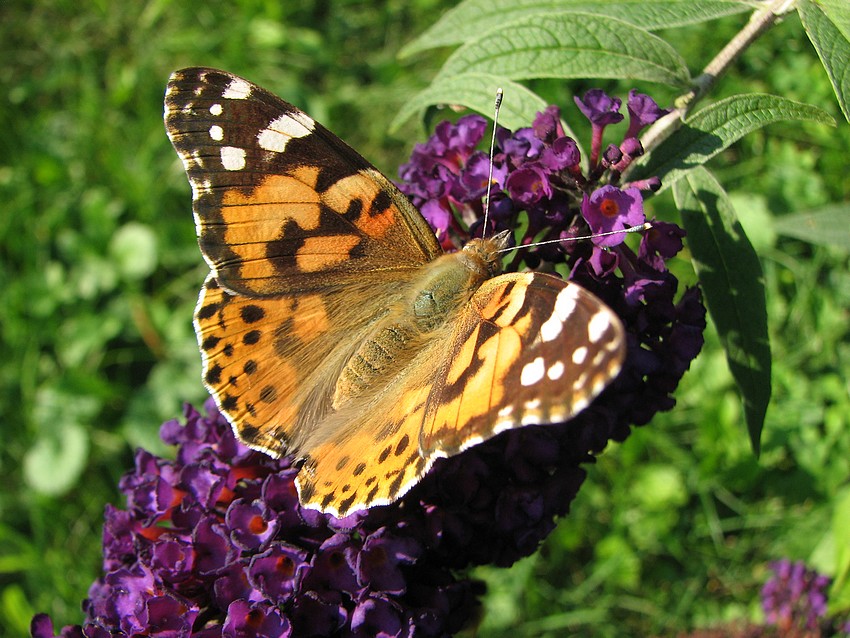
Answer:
(332, 326)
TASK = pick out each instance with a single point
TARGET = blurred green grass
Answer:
(100, 272)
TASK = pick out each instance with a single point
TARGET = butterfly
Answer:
(332, 326)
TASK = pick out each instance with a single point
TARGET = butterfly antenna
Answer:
(497, 107)
(623, 231)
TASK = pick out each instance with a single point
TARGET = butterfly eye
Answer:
(425, 304)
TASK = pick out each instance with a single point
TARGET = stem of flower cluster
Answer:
(760, 21)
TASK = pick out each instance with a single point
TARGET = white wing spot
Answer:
(532, 372)
(199, 189)
(580, 404)
(555, 371)
(276, 136)
(565, 304)
(506, 411)
(232, 158)
(552, 327)
(600, 358)
(216, 132)
(579, 355)
(238, 89)
(599, 323)
(471, 442)
(502, 426)
(215, 109)
(580, 384)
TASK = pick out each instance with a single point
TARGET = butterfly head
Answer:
(485, 252)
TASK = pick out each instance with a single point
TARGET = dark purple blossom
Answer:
(643, 111)
(251, 525)
(249, 620)
(795, 598)
(523, 146)
(609, 209)
(661, 242)
(378, 617)
(547, 125)
(561, 155)
(602, 110)
(611, 156)
(599, 107)
(529, 184)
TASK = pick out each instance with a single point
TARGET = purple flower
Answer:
(609, 209)
(246, 620)
(600, 108)
(795, 597)
(378, 562)
(42, 627)
(547, 125)
(522, 147)
(529, 184)
(438, 216)
(251, 525)
(562, 154)
(378, 617)
(661, 242)
(643, 111)
(276, 573)
(461, 137)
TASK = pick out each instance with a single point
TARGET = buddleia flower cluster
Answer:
(215, 543)
(794, 599)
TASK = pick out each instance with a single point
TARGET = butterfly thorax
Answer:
(436, 297)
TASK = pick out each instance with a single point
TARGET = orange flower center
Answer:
(609, 208)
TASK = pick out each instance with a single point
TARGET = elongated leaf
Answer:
(470, 19)
(827, 226)
(570, 45)
(731, 278)
(827, 24)
(714, 128)
(477, 91)
(839, 595)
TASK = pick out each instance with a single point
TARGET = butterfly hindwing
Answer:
(529, 348)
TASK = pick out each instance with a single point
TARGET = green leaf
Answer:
(715, 127)
(839, 595)
(827, 226)
(470, 19)
(55, 462)
(133, 249)
(731, 278)
(570, 45)
(477, 92)
(17, 608)
(827, 24)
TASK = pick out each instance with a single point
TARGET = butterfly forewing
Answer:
(310, 324)
(281, 204)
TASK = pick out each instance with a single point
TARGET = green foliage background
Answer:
(100, 272)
